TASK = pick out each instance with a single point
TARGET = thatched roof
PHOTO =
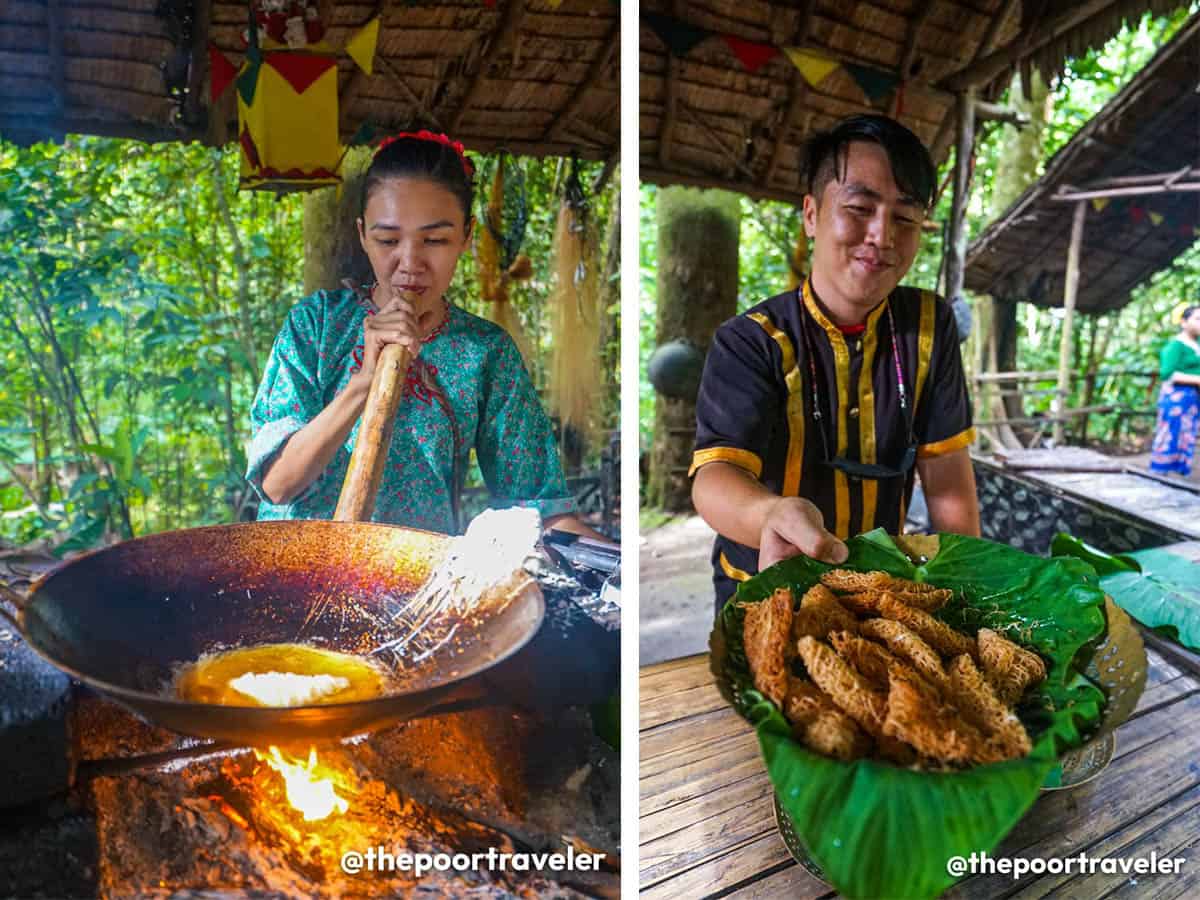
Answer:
(707, 121)
(1152, 126)
(523, 75)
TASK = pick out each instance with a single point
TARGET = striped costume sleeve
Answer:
(738, 401)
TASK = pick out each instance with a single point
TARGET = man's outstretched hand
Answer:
(793, 526)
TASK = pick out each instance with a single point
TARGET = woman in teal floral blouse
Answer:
(467, 388)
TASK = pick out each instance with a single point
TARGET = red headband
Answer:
(468, 166)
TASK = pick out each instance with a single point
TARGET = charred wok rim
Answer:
(20, 602)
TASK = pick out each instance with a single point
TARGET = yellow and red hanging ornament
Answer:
(575, 370)
(497, 250)
(288, 95)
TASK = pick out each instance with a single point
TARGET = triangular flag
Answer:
(1156, 218)
(300, 70)
(250, 149)
(1196, 231)
(814, 67)
(1137, 214)
(677, 36)
(220, 72)
(875, 83)
(247, 82)
(1098, 203)
(361, 47)
(753, 55)
(1187, 228)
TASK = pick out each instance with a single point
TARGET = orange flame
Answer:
(310, 785)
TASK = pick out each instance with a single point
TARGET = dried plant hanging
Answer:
(575, 370)
(497, 250)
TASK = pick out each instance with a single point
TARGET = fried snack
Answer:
(1011, 669)
(820, 725)
(970, 692)
(868, 658)
(766, 637)
(934, 729)
(852, 582)
(845, 686)
(820, 613)
(905, 642)
(940, 636)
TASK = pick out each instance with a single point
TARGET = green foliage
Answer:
(140, 293)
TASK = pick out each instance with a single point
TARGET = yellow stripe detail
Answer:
(794, 465)
(949, 445)
(924, 344)
(733, 571)
(743, 459)
(866, 417)
(841, 360)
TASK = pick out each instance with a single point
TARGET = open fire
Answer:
(311, 787)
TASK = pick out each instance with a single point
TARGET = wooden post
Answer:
(1072, 288)
(956, 250)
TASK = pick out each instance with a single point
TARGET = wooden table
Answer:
(707, 826)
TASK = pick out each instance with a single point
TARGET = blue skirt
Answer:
(1175, 434)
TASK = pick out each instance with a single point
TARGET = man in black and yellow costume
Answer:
(817, 405)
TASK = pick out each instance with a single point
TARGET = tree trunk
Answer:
(331, 248)
(697, 291)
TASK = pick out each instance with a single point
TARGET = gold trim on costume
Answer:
(924, 344)
(794, 465)
(866, 416)
(841, 360)
(733, 571)
(743, 459)
(949, 445)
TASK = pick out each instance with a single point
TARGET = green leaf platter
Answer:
(878, 830)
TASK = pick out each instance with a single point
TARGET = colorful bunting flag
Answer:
(247, 82)
(677, 36)
(752, 55)
(300, 70)
(813, 67)
(1156, 219)
(221, 72)
(1137, 214)
(1098, 203)
(361, 47)
(875, 83)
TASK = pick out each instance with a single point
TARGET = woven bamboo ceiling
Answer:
(706, 120)
(1151, 127)
(520, 75)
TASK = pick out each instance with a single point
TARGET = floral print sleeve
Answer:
(515, 445)
(289, 396)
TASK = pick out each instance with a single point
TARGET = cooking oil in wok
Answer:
(279, 675)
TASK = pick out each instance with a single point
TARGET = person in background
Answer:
(1178, 400)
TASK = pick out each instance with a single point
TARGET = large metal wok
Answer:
(123, 619)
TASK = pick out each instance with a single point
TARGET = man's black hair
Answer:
(823, 156)
(1187, 311)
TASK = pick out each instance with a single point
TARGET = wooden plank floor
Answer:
(707, 827)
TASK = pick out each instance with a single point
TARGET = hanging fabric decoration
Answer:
(288, 99)
(575, 371)
(499, 259)
(677, 36)
(361, 46)
(876, 84)
(1156, 219)
(752, 55)
(1098, 203)
(814, 67)
(221, 73)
